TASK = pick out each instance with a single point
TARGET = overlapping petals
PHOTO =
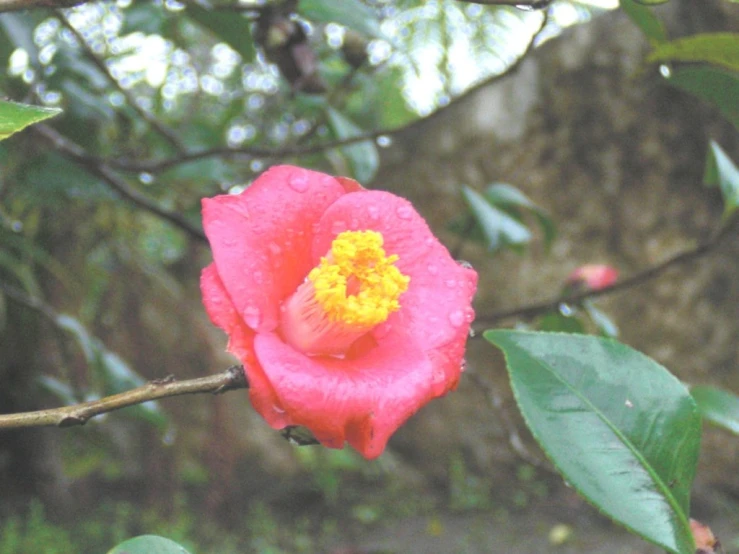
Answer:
(266, 240)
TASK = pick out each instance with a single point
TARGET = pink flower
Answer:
(592, 277)
(347, 313)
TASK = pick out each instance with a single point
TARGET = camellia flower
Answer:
(347, 313)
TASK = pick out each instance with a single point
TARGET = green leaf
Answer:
(507, 196)
(362, 156)
(148, 544)
(144, 17)
(718, 406)
(645, 19)
(721, 172)
(350, 13)
(498, 227)
(713, 85)
(601, 320)
(619, 427)
(232, 28)
(560, 323)
(15, 117)
(720, 49)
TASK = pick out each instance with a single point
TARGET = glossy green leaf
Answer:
(232, 28)
(148, 544)
(620, 428)
(498, 227)
(645, 19)
(350, 13)
(362, 156)
(15, 117)
(718, 406)
(720, 49)
(721, 172)
(713, 85)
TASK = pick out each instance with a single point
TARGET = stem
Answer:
(78, 414)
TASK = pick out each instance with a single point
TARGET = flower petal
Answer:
(436, 306)
(261, 238)
(362, 400)
(241, 339)
(222, 312)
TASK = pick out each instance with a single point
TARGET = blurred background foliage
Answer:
(166, 102)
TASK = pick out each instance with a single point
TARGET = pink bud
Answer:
(593, 276)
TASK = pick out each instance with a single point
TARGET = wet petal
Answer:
(261, 238)
(362, 400)
(436, 306)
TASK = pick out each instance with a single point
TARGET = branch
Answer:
(526, 4)
(155, 166)
(104, 172)
(691, 254)
(78, 414)
(162, 129)
(16, 5)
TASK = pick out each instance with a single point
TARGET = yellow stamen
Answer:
(356, 283)
(355, 287)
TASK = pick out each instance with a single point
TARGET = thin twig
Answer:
(155, 166)
(691, 254)
(78, 414)
(104, 172)
(160, 127)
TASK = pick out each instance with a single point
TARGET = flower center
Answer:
(354, 288)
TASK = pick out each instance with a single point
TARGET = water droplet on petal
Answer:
(299, 182)
(433, 269)
(456, 318)
(275, 249)
(252, 316)
(277, 409)
(469, 315)
(404, 212)
(258, 277)
(451, 283)
(373, 212)
(472, 333)
(338, 227)
(429, 242)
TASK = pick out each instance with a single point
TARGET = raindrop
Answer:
(665, 71)
(404, 212)
(464, 264)
(469, 315)
(472, 333)
(252, 316)
(373, 212)
(456, 318)
(275, 249)
(384, 141)
(629, 403)
(451, 283)
(16, 226)
(338, 227)
(146, 178)
(299, 182)
(277, 409)
(566, 310)
(433, 269)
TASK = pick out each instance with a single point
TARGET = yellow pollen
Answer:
(356, 283)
